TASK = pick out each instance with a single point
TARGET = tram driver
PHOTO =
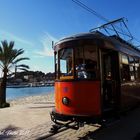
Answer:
(81, 71)
(86, 71)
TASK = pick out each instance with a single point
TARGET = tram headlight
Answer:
(65, 100)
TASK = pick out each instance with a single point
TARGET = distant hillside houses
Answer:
(31, 76)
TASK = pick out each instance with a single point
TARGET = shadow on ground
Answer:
(128, 128)
(137, 137)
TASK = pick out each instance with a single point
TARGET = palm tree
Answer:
(21, 67)
(9, 57)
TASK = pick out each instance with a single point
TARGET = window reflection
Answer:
(86, 62)
(66, 63)
(137, 69)
(125, 68)
(130, 68)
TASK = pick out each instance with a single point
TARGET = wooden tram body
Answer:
(96, 75)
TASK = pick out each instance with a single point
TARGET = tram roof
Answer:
(118, 43)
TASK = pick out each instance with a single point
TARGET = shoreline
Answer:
(43, 98)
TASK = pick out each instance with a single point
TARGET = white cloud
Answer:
(46, 41)
(6, 35)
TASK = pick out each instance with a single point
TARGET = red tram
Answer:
(96, 75)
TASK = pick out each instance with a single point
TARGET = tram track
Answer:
(56, 129)
(51, 134)
(84, 128)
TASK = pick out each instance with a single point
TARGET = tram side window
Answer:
(125, 70)
(137, 69)
(132, 68)
(66, 63)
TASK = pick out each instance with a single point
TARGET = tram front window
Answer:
(86, 62)
(66, 63)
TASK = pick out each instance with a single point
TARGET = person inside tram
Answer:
(81, 72)
(86, 70)
(80, 69)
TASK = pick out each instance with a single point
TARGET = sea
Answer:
(15, 93)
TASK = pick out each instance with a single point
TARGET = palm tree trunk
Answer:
(3, 88)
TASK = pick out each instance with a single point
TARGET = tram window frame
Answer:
(137, 68)
(125, 70)
(132, 68)
(69, 73)
(87, 69)
(133, 74)
(56, 64)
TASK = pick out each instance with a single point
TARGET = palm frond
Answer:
(24, 69)
(14, 54)
(20, 59)
(0, 49)
(18, 52)
(9, 55)
(1, 66)
(23, 66)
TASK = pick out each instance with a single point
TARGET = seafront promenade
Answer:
(28, 118)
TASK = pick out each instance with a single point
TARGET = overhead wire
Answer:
(105, 19)
(93, 12)
(90, 10)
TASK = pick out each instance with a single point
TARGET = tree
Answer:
(9, 57)
(21, 67)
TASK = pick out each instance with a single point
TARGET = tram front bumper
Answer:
(56, 116)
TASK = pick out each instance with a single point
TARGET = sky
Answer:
(34, 24)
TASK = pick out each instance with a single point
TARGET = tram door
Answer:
(110, 80)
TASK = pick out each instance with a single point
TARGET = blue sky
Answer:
(33, 24)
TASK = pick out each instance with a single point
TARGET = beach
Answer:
(33, 99)
(25, 114)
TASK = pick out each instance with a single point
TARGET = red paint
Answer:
(85, 98)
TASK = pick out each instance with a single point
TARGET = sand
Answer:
(33, 99)
(26, 113)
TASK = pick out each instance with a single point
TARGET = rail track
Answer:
(59, 127)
